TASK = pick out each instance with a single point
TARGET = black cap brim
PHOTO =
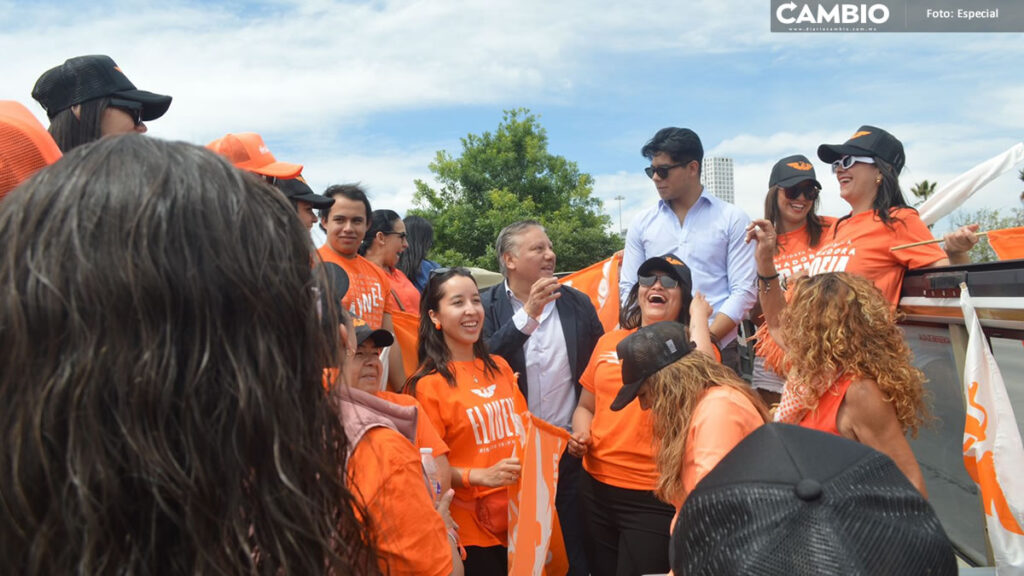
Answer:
(380, 337)
(626, 395)
(831, 152)
(319, 202)
(153, 105)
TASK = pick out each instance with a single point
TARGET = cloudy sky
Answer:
(370, 91)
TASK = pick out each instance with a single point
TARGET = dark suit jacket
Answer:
(580, 325)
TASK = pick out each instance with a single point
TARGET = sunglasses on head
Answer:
(439, 271)
(846, 162)
(662, 171)
(667, 282)
(133, 109)
(809, 191)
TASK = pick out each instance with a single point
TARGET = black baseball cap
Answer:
(791, 171)
(380, 336)
(85, 78)
(669, 264)
(790, 500)
(867, 141)
(646, 351)
(297, 189)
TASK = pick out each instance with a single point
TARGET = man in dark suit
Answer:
(547, 333)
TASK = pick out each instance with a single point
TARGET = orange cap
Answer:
(247, 151)
(25, 146)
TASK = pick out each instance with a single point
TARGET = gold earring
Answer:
(878, 179)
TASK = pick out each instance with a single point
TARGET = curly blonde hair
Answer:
(674, 391)
(840, 325)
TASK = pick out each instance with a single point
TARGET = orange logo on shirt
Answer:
(859, 134)
(800, 166)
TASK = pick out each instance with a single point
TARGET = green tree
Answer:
(922, 190)
(988, 219)
(508, 176)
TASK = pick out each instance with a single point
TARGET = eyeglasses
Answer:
(667, 282)
(847, 161)
(133, 109)
(661, 171)
(401, 235)
(809, 191)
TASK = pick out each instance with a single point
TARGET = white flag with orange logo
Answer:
(993, 452)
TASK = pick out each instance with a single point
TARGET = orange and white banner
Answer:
(601, 283)
(993, 452)
(535, 545)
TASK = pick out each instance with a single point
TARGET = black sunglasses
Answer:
(662, 171)
(667, 282)
(809, 192)
(401, 235)
(133, 109)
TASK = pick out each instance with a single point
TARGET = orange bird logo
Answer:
(800, 166)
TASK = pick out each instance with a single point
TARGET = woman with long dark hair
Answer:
(383, 245)
(473, 401)
(88, 97)
(791, 206)
(161, 401)
(413, 261)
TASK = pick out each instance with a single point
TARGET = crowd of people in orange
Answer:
(188, 384)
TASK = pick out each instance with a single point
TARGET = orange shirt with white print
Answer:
(477, 419)
(860, 245)
(426, 435)
(368, 287)
(404, 295)
(621, 451)
(409, 536)
(795, 252)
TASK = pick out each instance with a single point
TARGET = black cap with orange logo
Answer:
(791, 171)
(867, 141)
(86, 78)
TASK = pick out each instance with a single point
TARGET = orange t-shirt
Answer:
(861, 246)
(723, 416)
(795, 254)
(385, 474)
(404, 295)
(621, 451)
(426, 436)
(368, 287)
(823, 417)
(478, 419)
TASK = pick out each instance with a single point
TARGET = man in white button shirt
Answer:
(547, 333)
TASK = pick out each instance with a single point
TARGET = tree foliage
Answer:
(988, 219)
(508, 176)
(922, 190)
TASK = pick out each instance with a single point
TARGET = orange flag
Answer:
(601, 282)
(1007, 243)
(407, 326)
(535, 545)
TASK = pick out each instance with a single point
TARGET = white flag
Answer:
(955, 192)
(993, 452)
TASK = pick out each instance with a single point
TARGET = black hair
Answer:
(380, 221)
(681, 144)
(351, 191)
(889, 196)
(70, 131)
(420, 236)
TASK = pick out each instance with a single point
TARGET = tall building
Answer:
(716, 176)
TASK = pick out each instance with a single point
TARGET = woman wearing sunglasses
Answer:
(88, 97)
(791, 206)
(626, 525)
(384, 242)
(867, 167)
(472, 400)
